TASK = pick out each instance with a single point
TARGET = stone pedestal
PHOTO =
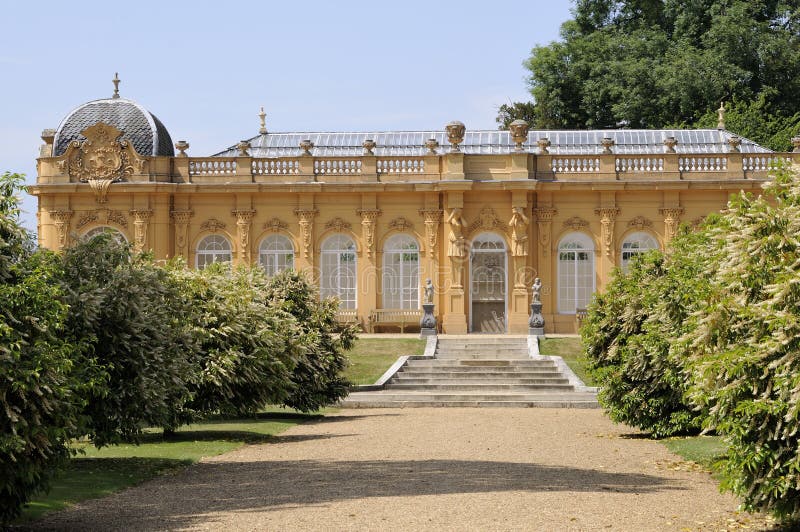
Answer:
(427, 325)
(536, 323)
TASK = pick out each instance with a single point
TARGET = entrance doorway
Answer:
(488, 284)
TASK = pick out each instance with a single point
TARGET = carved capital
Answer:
(243, 216)
(306, 221)
(140, 219)
(61, 221)
(544, 214)
(607, 217)
(432, 219)
(181, 226)
(671, 221)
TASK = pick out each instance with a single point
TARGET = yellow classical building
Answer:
(373, 215)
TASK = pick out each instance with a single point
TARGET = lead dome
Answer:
(140, 127)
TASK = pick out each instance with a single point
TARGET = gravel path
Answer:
(429, 469)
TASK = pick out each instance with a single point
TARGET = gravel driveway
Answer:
(430, 469)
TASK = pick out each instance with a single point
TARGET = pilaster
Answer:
(181, 219)
(244, 218)
(141, 219)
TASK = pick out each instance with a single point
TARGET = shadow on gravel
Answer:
(184, 499)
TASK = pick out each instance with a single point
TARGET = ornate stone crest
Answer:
(337, 224)
(400, 224)
(275, 225)
(101, 159)
(488, 220)
(86, 219)
(117, 217)
(576, 223)
(212, 225)
(640, 222)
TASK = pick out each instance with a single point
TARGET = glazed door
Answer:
(488, 291)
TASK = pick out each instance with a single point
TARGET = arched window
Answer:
(575, 272)
(276, 254)
(634, 244)
(338, 270)
(104, 229)
(213, 248)
(401, 272)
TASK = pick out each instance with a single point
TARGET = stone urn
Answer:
(733, 144)
(670, 143)
(243, 146)
(607, 143)
(519, 133)
(369, 146)
(306, 145)
(431, 144)
(544, 145)
(455, 134)
(182, 146)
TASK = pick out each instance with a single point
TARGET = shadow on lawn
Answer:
(186, 499)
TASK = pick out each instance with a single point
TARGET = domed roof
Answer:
(142, 129)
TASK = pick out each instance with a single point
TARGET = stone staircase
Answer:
(477, 371)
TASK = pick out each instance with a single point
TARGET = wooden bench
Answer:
(399, 317)
(347, 316)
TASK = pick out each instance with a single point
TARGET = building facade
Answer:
(372, 215)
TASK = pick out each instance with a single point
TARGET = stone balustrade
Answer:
(445, 167)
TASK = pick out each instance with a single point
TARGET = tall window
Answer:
(575, 272)
(401, 272)
(213, 248)
(338, 270)
(104, 229)
(276, 254)
(634, 244)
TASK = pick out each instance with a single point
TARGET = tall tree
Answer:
(668, 63)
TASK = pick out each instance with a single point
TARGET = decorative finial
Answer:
(263, 116)
(721, 114)
(115, 81)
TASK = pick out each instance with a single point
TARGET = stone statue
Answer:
(537, 287)
(456, 221)
(428, 291)
(519, 232)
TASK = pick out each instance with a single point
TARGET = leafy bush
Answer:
(246, 346)
(133, 316)
(38, 410)
(631, 330)
(745, 350)
(317, 378)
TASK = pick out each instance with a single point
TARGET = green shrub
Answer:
(745, 350)
(133, 317)
(318, 376)
(631, 329)
(38, 407)
(246, 346)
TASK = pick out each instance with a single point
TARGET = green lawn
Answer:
(371, 357)
(705, 450)
(571, 350)
(100, 472)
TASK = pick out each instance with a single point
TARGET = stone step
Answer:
(554, 378)
(483, 356)
(486, 388)
(471, 363)
(475, 375)
(545, 403)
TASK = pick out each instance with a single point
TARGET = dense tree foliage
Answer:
(709, 334)
(133, 317)
(317, 378)
(666, 63)
(744, 352)
(39, 409)
(246, 346)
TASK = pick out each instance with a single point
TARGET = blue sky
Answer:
(205, 68)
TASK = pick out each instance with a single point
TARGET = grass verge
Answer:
(101, 472)
(371, 357)
(571, 350)
(707, 451)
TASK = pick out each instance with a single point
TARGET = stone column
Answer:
(455, 318)
(243, 219)
(61, 221)
(518, 225)
(306, 221)
(544, 222)
(672, 219)
(181, 228)
(140, 223)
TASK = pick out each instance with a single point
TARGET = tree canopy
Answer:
(669, 63)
